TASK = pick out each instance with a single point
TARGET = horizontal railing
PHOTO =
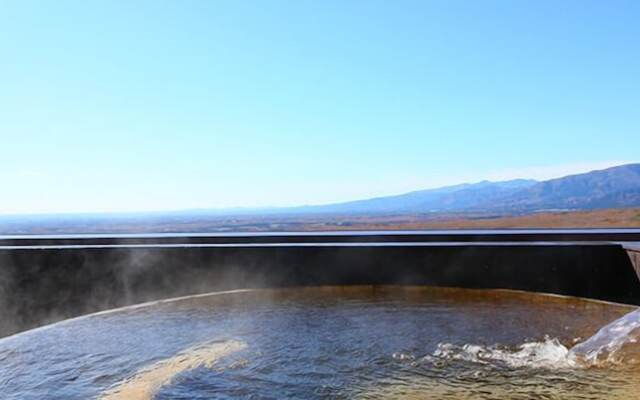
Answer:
(432, 236)
(48, 278)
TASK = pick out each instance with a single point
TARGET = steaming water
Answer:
(362, 342)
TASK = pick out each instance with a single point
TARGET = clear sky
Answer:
(150, 105)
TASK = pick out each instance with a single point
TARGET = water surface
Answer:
(334, 342)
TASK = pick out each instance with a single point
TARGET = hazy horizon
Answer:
(541, 173)
(159, 105)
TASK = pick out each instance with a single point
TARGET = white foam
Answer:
(549, 353)
(614, 343)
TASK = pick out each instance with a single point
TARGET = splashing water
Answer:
(612, 344)
(317, 343)
(549, 353)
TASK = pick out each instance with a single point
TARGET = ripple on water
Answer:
(358, 342)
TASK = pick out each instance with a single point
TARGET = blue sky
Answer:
(151, 105)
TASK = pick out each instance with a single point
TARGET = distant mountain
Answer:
(445, 199)
(616, 187)
(609, 188)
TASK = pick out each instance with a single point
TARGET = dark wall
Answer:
(39, 286)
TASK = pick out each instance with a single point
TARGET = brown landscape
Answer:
(608, 218)
(202, 223)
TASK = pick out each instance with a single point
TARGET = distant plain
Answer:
(606, 218)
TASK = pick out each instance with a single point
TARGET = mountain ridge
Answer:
(612, 187)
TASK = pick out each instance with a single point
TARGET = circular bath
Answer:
(363, 342)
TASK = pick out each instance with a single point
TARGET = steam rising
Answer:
(39, 287)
